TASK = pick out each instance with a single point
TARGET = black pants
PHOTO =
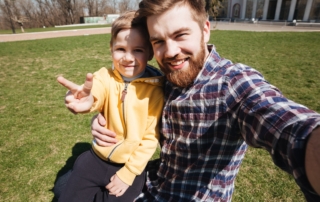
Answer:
(89, 177)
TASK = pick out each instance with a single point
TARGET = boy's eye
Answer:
(139, 50)
(120, 49)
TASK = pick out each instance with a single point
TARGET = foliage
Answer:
(40, 139)
(49, 13)
(213, 7)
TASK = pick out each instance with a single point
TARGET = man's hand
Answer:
(116, 186)
(78, 98)
(312, 160)
(102, 136)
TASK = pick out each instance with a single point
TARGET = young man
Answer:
(213, 110)
(131, 97)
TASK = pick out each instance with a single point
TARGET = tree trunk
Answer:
(7, 4)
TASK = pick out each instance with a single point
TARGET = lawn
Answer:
(40, 139)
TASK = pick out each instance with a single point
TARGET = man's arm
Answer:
(312, 160)
(102, 136)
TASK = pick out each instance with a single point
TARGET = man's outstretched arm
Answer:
(312, 160)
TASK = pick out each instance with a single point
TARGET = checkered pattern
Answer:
(206, 129)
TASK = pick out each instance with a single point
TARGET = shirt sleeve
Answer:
(100, 89)
(269, 120)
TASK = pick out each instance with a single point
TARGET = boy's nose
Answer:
(128, 57)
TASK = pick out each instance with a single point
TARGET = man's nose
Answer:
(172, 49)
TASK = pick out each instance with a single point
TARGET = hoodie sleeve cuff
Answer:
(126, 176)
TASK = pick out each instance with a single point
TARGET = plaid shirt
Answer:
(207, 126)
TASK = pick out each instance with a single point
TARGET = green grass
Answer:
(40, 139)
(18, 30)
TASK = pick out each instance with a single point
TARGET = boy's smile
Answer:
(130, 52)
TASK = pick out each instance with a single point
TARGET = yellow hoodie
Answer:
(135, 120)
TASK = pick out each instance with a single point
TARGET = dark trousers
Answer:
(89, 177)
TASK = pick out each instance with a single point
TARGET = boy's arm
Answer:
(79, 98)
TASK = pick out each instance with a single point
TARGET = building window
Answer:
(300, 8)
(315, 11)
(259, 11)
(249, 9)
(236, 10)
(285, 8)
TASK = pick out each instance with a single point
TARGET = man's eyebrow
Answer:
(154, 38)
(182, 29)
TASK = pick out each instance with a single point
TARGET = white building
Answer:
(274, 10)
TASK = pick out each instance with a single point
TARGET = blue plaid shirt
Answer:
(207, 126)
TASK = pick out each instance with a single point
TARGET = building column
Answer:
(278, 9)
(243, 9)
(254, 8)
(292, 8)
(265, 9)
(307, 10)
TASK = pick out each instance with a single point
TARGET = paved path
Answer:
(52, 34)
(219, 26)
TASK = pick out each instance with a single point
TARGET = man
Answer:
(213, 110)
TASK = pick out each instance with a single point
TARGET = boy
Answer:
(131, 97)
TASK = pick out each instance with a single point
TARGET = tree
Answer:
(8, 7)
(66, 10)
(124, 5)
(213, 7)
(20, 21)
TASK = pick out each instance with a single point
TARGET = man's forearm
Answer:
(312, 160)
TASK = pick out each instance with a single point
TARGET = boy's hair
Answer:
(154, 7)
(128, 20)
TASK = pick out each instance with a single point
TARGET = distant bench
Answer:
(311, 24)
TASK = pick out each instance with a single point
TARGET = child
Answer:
(130, 95)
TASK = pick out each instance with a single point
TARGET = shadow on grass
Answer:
(64, 172)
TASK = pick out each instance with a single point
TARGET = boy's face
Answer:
(179, 45)
(130, 52)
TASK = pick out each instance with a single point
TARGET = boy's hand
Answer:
(78, 98)
(116, 186)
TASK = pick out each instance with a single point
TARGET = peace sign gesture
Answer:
(79, 98)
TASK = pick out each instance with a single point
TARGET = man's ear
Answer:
(206, 31)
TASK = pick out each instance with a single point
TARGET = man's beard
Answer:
(184, 78)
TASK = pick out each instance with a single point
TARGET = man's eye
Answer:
(157, 42)
(120, 49)
(139, 50)
(181, 35)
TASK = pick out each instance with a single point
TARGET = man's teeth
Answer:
(179, 62)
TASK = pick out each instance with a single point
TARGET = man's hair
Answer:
(154, 7)
(128, 20)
